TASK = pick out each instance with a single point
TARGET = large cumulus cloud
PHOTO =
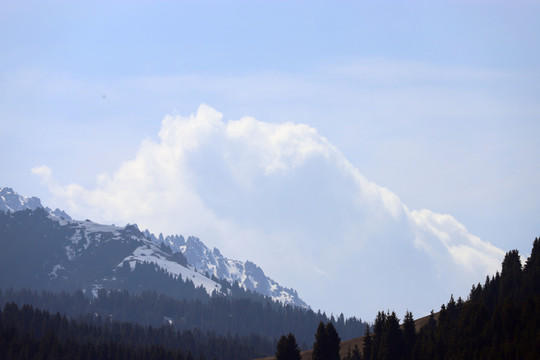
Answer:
(283, 196)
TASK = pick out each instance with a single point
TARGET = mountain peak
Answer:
(248, 275)
(11, 201)
(190, 251)
(6, 190)
(61, 214)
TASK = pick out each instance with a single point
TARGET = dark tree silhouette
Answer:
(333, 341)
(327, 340)
(368, 344)
(287, 348)
(320, 343)
(500, 320)
(409, 335)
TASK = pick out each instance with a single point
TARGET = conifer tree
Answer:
(392, 341)
(368, 344)
(510, 275)
(452, 308)
(287, 348)
(333, 341)
(378, 329)
(409, 335)
(319, 346)
(326, 346)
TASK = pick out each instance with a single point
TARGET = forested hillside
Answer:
(165, 315)
(42, 248)
(218, 314)
(27, 333)
(499, 320)
(106, 275)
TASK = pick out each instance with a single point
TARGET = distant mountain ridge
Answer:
(11, 201)
(83, 254)
(212, 262)
(40, 251)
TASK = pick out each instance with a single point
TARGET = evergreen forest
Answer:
(499, 320)
(241, 317)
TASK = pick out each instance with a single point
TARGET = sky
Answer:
(370, 155)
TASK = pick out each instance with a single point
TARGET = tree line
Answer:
(28, 333)
(325, 347)
(218, 314)
(34, 242)
(499, 320)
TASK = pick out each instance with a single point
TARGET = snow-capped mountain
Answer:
(41, 251)
(212, 262)
(47, 249)
(11, 201)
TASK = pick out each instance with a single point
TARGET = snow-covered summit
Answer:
(12, 201)
(212, 262)
(90, 248)
(89, 235)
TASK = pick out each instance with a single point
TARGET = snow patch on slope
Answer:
(248, 275)
(92, 227)
(150, 254)
(86, 234)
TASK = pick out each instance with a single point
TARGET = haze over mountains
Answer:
(498, 320)
(48, 250)
(366, 153)
(284, 196)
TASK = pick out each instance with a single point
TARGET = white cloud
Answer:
(469, 253)
(283, 196)
(44, 172)
(279, 147)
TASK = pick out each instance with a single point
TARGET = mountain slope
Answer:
(47, 249)
(40, 251)
(247, 274)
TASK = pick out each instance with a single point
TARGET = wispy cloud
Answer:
(285, 197)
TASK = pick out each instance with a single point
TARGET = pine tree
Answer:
(392, 339)
(532, 269)
(287, 348)
(452, 308)
(326, 346)
(368, 344)
(510, 276)
(378, 330)
(319, 346)
(333, 340)
(409, 335)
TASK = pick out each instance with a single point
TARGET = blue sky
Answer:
(363, 113)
